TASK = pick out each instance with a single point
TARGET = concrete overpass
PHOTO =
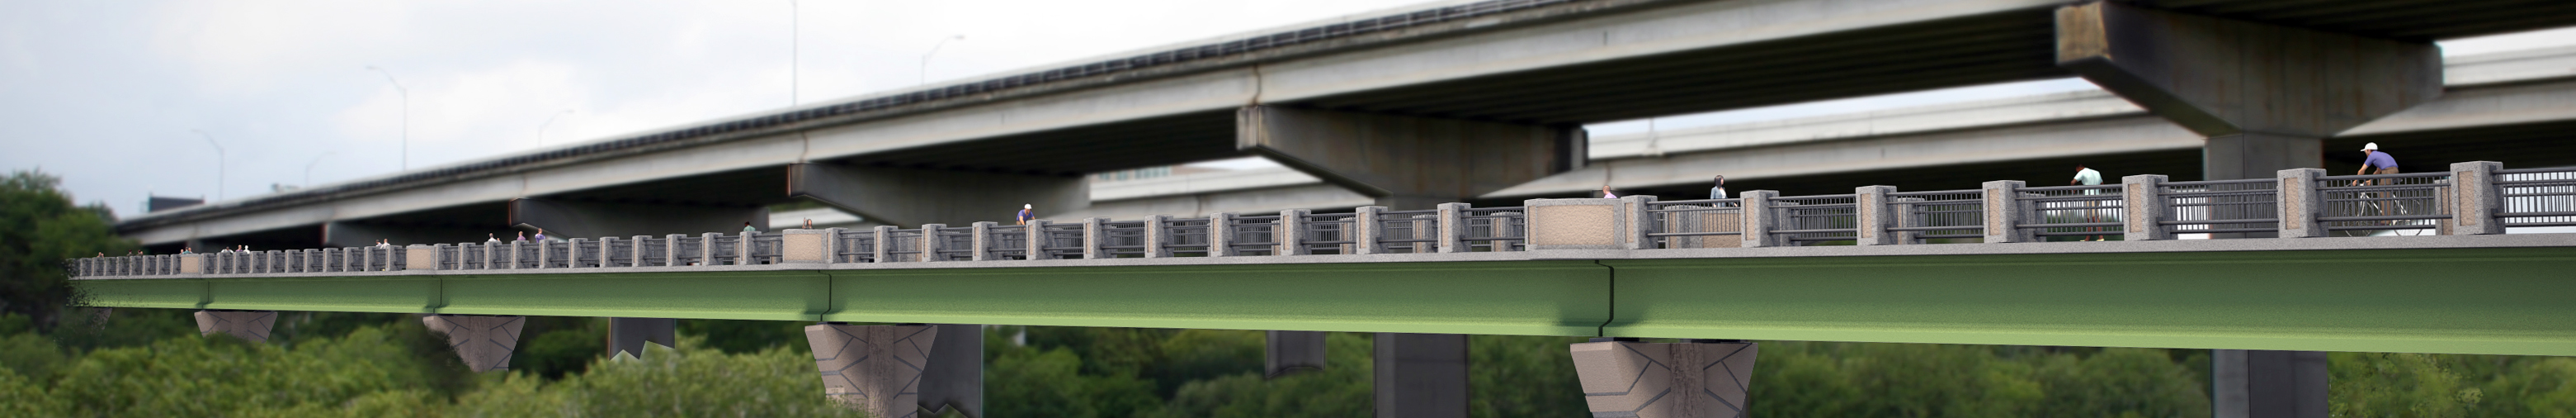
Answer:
(1532, 68)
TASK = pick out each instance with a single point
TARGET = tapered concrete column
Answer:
(2268, 384)
(484, 342)
(954, 376)
(628, 335)
(248, 325)
(903, 196)
(2263, 94)
(598, 219)
(1291, 352)
(1421, 375)
(1626, 378)
(1408, 162)
(873, 368)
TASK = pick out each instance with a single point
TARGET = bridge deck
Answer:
(2481, 294)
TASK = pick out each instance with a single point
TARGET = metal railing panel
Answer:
(1923, 217)
(1710, 223)
(2537, 197)
(1495, 229)
(1409, 231)
(1809, 220)
(1254, 234)
(2406, 202)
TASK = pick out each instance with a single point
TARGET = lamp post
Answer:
(308, 169)
(934, 49)
(219, 162)
(550, 120)
(406, 115)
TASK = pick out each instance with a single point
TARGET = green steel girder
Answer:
(2479, 301)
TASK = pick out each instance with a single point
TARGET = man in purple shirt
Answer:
(2377, 163)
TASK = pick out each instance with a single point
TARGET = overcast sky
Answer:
(110, 95)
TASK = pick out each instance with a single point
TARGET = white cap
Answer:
(2374, 146)
(1028, 206)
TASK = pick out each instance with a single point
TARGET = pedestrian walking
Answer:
(809, 223)
(1718, 191)
(1606, 192)
(746, 227)
(490, 238)
(2088, 177)
(541, 234)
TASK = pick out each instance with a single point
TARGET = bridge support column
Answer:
(2264, 95)
(1291, 352)
(903, 196)
(628, 335)
(248, 325)
(2262, 383)
(484, 342)
(954, 379)
(1421, 375)
(569, 219)
(871, 367)
(1697, 379)
(1408, 162)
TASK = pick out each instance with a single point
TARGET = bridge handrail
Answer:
(2471, 198)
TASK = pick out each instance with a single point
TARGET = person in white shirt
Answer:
(2088, 177)
(1606, 194)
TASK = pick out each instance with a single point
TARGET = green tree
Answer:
(692, 381)
(39, 228)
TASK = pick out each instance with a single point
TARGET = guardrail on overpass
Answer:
(2472, 198)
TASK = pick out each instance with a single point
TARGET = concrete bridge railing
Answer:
(2471, 198)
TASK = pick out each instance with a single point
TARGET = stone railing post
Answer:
(1368, 227)
(2478, 199)
(546, 253)
(2004, 214)
(1037, 237)
(883, 249)
(671, 249)
(707, 248)
(1094, 235)
(1453, 227)
(425, 257)
(1635, 222)
(1871, 216)
(1575, 224)
(804, 246)
(1758, 221)
(981, 247)
(607, 254)
(2144, 200)
(1290, 232)
(1220, 234)
(930, 244)
(1158, 236)
(192, 264)
(635, 251)
(2298, 203)
(742, 254)
(832, 244)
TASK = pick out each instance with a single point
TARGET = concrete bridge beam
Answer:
(905, 196)
(483, 342)
(2264, 95)
(1408, 162)
(248, 325)
(604, 219)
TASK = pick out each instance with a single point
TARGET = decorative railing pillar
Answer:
(1220, 236)
(2478, 199)
(883, 236)
(1291, 232)
(1635, 222)
(1588, 224)
(2298, 203)
(1758, 219)
(1453, 227)
(980, 248)
(1095, 233)
(707, 248)
(804, 246)
(2144, 198)
(2005, 214)
(423, 257)
(931, 243)
(1158, 236)
(1037, 239)
(1871, 216)
(1368, 229)
(192, 264)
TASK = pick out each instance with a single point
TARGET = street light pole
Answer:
(550, 120)
(308, 169)
(219, 163)
(934, 49)
(406, 115)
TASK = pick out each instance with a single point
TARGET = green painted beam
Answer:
(2481, 301)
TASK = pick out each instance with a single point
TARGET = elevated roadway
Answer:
(1535, 63)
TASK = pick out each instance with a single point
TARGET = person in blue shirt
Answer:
(1718, 191)
(1025, 214)
(2373, 160)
